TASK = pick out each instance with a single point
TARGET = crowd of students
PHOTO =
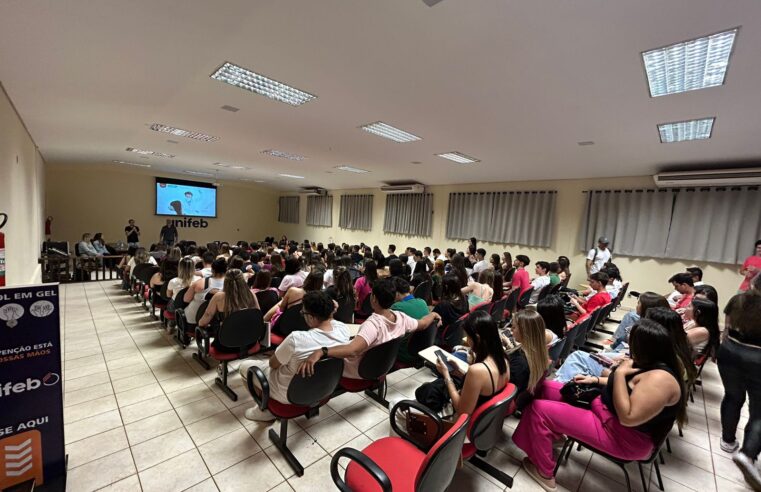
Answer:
(643, 377)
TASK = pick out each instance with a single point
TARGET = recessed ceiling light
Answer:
(458, 157)
(690, 65)
(132, 163)
(238, 167)
(585, 143)
(352, 169)
(229, 108)
(158, 127)
(291, 176)
(220, 164)
(284, 155)
(148, 152)
(682, 131)
(387, 131)
(415, 162)
(173, 141)
(259, 181)
(259, 84)
(199, 173)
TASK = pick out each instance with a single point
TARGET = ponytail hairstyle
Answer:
(237, 294)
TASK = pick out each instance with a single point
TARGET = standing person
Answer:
(133, 233)
(49, 227)
(169, 234)
(599, 256)
(751, 266)
(739, 361)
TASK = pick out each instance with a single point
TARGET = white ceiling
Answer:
(514, 83)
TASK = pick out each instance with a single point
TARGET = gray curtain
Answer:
(320, 211)
(288, 209)
(636, 221)
(717, 224)
(469, 215)
(356, 212)
(409, 213)
(523, 217)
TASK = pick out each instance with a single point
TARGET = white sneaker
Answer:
(748, 467)
(729, 447)
(258, 415)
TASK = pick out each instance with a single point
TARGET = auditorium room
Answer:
(390, 245)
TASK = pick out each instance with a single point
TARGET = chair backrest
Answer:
(437, 289)
(242, 329)
(440, 463)
(267, 299)
(345, 311)
(620, 296)
(422, 339)
(366, 309)
(377, 361)
(310, 391)
(275, 281)
(509, 275)
(498, 310)
(179, 299)
(452, 334)
(556, 288)
(512, 300)
(556, 349)
(201, 311)
(138, 271)
(583, 329)
(423, 291)
(162, 292)
(544, 292)
(525, 298)
(482, 306)
(291, 320)
(485, 425)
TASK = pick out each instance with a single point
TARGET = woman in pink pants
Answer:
(640, 400)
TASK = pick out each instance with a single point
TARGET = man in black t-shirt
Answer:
(133, 233)
(168, 234)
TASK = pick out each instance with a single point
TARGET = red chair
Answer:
(373, 368)
(484, 431)
(291, 320)
(395, 463)
(305, 397)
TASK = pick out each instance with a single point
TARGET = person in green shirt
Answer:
(554, 273)
(412, 307)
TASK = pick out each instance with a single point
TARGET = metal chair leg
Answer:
(222, 383)
(658, 474)
(280, 443)
(626, 475)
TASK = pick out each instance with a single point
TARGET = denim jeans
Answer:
(740, 370)
(624, 327)
(579, 362)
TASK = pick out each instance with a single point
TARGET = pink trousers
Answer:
(547, 418)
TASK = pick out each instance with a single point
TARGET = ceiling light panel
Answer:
(691, 65)
(291, 176)
(199, 173)
(283, 155)
(387, 131)
(131, 163)
(351, 169)
(259, 84)
(458, 157)
(148, 152)
(682, 131)
(158, 127)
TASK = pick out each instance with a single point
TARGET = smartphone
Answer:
(443, 358)
(604, 361)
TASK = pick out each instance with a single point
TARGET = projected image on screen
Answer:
(185, 198)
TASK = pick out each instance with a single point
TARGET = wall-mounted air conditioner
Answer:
(411, 188)
(313, 191)
(722, 177)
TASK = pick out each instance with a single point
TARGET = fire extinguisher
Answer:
(3, 220)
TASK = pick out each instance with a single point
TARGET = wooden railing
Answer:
(64, 269)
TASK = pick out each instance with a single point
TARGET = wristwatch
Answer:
(324, 351)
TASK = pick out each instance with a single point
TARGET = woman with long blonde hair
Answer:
(186, 271)
(529, 363)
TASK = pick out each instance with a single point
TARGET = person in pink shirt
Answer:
(751, 267)
(364, 285)
(382, 326)
(521, 279)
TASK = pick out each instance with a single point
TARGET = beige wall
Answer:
(103, 198)
(643, 273)
(22, 194)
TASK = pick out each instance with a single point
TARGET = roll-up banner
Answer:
(31, 390)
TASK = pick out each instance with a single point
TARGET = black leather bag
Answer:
(580, 394)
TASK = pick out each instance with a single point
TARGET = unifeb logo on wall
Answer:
(188, 222)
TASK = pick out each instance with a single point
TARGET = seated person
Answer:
(640, 401)
(645, 301)
(600, 297)
(702, 326)
(294, 295)
(324, 332)
(185, 276)
(382, 326)
(235, 296)
(481, 291)
(85, 248)
(542, 280)
(207, 260)
(697, 280)
(552, 311)
(683, 284)
(364, 284)
(554, 273)
(615, 282)
(520, 280)
(452, 305)
(198, 290)
(167, 271)
(294, 275)
(100, 244)
(407, 303)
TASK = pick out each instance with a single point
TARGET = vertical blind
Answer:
(509, 217)
(320, 211)
(409, 213)
(356, 212)
(636, 221)
(288, 209)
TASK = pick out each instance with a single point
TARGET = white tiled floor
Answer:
(141, 414)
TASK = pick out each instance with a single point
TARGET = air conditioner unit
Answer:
(723, 177)
(314, 191)
(412, 188)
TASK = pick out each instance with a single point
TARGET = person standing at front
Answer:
(133, 233)
(599, 256)
(169, 234)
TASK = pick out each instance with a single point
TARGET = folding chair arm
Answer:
(406, 405)
(369, 465)
(255, 372)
